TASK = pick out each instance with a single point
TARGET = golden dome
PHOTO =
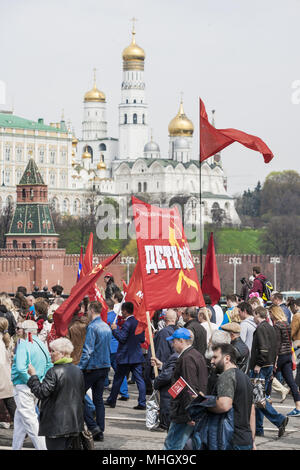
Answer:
(86, 154)
(180, 124)
(73, 163)
(101, 165)
(74, 141)
(94, 95)
(133, 51)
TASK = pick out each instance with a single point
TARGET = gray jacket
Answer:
(248, 327)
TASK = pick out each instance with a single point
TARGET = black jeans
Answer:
(10, 405)
(59, 443)
(284, 364)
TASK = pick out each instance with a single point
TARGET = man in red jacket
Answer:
(258, 285)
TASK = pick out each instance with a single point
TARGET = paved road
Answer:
(125, 429)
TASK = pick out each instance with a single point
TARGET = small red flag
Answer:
(213, 140)
(177, 387)
(211, 281)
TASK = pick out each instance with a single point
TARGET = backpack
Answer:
(267, 289)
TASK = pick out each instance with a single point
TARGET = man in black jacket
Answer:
(191, 367)
(190, 317)
(263, 356)
(241, 349)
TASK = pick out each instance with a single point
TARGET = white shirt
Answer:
(209, 330)
(219, 314)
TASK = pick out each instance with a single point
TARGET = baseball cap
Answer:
(181, 333)
(29, 325)
(108, 275)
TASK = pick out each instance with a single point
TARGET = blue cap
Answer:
(182, 333)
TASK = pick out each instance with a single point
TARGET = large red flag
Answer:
(213, 140)
(168, 274)
(63, 315)
(211, 282)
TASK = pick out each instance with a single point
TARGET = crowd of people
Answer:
(52, 389)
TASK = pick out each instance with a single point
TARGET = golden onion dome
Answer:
(86, 154)
(180, 124)
(73, 163)
(94, 95)
(74, 141)
(133, 51)
(101, 166)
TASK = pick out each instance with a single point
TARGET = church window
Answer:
(139, 187)
(135, 118)
(24, 245)
(23, 193)
(33, 244)
(15, 244)
(29, 225)
(143, 118)
(102, 147)
(125, 118)
(20, 225)
(145, 187)
(134, 101)
(127, 101)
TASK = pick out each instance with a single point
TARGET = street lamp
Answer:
(234, 261)
(128, 260)
(275, 261)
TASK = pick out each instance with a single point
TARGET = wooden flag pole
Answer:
(151, 342)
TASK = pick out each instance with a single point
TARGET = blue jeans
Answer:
(124, 386)
(94, 379)
(269, 412)
(122, 371)
(178, 436)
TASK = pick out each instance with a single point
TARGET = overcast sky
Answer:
(242, 57)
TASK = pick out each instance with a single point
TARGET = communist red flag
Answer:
(213, 140)
(63, 315)
(94, 292)
(168, 274)
(211, 282)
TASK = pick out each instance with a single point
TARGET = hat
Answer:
(29, 325)
(182, 333)
(232, 327)
(108, 275)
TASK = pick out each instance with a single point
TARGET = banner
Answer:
(168, 274)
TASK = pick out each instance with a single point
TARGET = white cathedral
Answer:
(95, 166)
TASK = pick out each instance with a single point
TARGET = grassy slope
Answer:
(235, 241)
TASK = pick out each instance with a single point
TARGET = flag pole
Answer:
(151, 342)
(200, 202)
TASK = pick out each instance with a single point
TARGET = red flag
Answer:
(63, 315)
(87, 263)
(125, 286)
(177, 387)
(213, 140)
(211, 282)
(168, 274)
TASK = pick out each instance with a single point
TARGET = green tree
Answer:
(281, 194)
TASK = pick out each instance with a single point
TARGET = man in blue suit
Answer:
(129, 357)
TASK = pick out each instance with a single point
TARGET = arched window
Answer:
(23, 193)
(135, 118)
(140, 187)
(145, 187)
(33, 244)
(24, 245)
(102, 147)
(134, 101)
(15, 244)
(125, 118)
(143, 118)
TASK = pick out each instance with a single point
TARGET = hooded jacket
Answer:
(248, 326)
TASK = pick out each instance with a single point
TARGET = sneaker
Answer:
(98, 437)
(139, 407)
(294, 412)
(4, 425)
(110, 404)
(282, 427)
(123, 398)
(284, 394)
